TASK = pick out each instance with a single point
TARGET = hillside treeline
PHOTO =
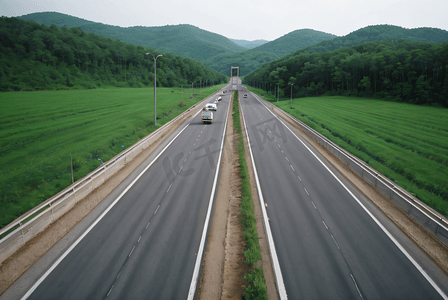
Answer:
(402, 70)
(37, 57)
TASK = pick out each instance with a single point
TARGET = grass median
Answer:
(256, 288)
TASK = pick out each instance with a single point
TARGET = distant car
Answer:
(219, 98)
(211, 106)
(245, 96)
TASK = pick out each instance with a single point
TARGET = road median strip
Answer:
(256, 288)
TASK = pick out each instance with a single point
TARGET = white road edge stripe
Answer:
(276, 265)
(195, 278)
(429, 279)
(34, 287)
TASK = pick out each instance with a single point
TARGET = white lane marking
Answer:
(147, 225)
(278, 145)
(131, 251)
(354, 281)
(169, 187)
(409, 257)
(335, 242)
(306, 191)
(198, 263)
(118, 274)
(292, 168)
(180, 169)
(314, 205)
(110, 290)
(185, 159)
(139, 239)
(275, 263)
(325, 224)
(299, 177)
(287, 159)
(157, 209)
(34, 287)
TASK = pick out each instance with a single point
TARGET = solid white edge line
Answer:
(197, 266)
(429, 279)
(281, 289)
(34, 287)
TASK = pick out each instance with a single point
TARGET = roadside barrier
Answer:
(430, 219)
(36, 220)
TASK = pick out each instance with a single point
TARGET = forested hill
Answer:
(397, 70)
(35, 57)
(376, 33)
(293, 41)
(184, 40)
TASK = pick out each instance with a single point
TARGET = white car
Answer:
(211, 106)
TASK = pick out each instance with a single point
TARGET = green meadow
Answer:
(407, 143)
(41, 131)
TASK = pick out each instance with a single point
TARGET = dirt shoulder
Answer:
(434, 249)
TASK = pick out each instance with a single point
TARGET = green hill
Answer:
(214, 50)
(378, 33)
(184, 40)
(249, 44)
(36, 57)
(293, 41)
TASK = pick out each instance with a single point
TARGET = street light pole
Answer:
(155, 80)
(278, 90)
(291, 92)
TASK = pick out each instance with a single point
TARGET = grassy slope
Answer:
(405, 142)
(39, 131)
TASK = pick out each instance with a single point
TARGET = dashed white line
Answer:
(110, 291)
(287, 159)
(180, 169)
(292, 168)
(156, 210)
(139, 239)
(299, 177)
(354, 281)
(169, 188)
(325, 224)
(335, 242)
(131, 251)
(307, 192)
(147, 225)
(314, 205)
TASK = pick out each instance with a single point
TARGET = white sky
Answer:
(246, 19)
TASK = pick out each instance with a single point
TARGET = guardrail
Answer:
(36, 220)
(430, 219)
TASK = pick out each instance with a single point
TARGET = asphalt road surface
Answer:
(146, 246)
(328, 246)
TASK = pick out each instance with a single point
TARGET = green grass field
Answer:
(407, 143)
(39, 131)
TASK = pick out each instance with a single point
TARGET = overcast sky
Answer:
(246, 19)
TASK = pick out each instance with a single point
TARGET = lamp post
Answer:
(278, 90)
(155, 80)
(291, 92)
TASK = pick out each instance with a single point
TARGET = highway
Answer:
(328, 246)
(146, 245)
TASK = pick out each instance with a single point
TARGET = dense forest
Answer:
(37, 57)
(398, 70)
